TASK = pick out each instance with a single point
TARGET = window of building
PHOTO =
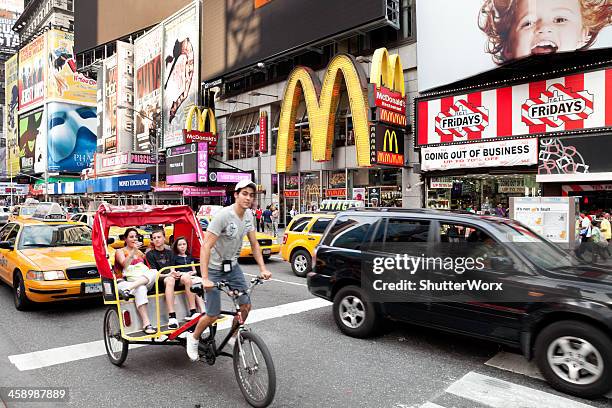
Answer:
(243, 136)
(70, 5)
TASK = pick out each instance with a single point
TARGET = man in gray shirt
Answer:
(219, 259)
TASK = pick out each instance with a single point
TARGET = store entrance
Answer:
(594, 202)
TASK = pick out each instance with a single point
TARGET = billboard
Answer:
(32, 73)
(11, 126)
(187, 163)
(9, 40)
(147, 85)
(577, 102)
(386, 145)
(125, 96)
(489, 33)
(110, 104)
(100, 109)
(32, 146)
(71, 136)
(65, 83)
(181, 53)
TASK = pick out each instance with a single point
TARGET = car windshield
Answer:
(28, 210)
(58, 235)
(537, 249)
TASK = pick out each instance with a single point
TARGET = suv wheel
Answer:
(575, 358)
(301, 263)
(354, 315)
(19, 293)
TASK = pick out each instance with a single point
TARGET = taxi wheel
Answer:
(301, 263)
(116, 346)
(19, 291)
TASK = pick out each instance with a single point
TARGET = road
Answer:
(407, 366)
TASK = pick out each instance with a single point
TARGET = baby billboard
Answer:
(490, 33)
(71, 136)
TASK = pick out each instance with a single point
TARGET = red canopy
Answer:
(183, 218)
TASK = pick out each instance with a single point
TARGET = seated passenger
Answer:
(138, 277)
(183, 275)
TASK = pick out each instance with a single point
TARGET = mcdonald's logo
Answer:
(391, 137)
(201, 116)
(322, 102)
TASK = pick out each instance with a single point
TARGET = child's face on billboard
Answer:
(545, 27)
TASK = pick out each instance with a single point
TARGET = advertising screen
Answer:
(65, 83)
(32, 146)
(32, 67)
(147, 85)
(181, 72)
(71, 136)
(475, 36)
(110, 104)
(11, 105)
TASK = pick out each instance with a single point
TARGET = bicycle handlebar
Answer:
(199, 289)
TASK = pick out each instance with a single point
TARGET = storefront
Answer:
(124, 190)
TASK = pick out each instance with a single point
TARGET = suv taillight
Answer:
(284, 239)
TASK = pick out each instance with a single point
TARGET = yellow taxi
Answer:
(301, 236)
(22, 212)
(268, 244)
(48, 259)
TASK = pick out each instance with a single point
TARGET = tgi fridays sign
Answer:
(574, 102)
(519, 152)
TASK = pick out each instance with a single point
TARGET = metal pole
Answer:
(12, 203)
(47, 185)
(157, 137)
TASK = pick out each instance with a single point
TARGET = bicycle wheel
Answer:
(254, 370)
(116, 346)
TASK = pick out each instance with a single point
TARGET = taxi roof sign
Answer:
(340, 205)
(49, 212)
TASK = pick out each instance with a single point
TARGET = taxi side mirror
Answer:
(6, 245)
(110, 241)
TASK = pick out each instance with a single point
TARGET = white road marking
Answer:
(431, 405)
(518, 364)
(278, 280)
(61, 355)
(496, 393)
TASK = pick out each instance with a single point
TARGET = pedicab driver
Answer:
(219, 258)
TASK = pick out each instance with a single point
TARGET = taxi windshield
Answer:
(58, 235)
(28, 210)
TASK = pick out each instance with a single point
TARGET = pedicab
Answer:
(252, 361)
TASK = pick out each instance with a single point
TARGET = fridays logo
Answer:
(556, 106)
(460, 118)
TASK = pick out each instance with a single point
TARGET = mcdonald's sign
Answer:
(322, 102)
(386, 145)
(201, 116)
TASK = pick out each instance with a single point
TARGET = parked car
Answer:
(562, 315)
(5, 213)
(301, 237)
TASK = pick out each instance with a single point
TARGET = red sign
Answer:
(391, 117)
(391, 100)
(263, 133)
(390, 159)
(194, 136)
(335, 192)
(460, 118)
(556, 106)
(292, 193)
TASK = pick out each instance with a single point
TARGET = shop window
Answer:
(305, 139)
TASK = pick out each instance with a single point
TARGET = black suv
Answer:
(555, 309)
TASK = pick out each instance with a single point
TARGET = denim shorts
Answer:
(235, 280)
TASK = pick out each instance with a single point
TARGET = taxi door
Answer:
(5, 234)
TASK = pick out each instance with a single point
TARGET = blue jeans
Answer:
(235, 279)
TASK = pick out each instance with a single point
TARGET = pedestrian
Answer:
(606, 229)
(267, 220)
(585, 236)
(275, 220)
(258, 213)
(499, 211)
(599, 242)
(219, 260)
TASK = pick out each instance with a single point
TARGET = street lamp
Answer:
(154, 141)
(255, 93)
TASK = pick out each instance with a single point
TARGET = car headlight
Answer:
(35, 275)
(54, 275)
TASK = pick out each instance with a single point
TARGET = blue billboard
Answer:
(71, 136)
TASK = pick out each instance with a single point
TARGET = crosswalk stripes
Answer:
(495, 393)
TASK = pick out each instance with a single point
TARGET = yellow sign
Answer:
(65, 83)
(10, 115)
(322, 103)
(391, 136)
(200, 118)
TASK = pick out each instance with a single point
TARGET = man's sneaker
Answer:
(193, 316)
(192, 348)
(173, 323)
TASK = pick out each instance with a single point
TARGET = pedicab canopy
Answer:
(181, 216)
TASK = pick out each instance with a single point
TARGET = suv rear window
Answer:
(299, 224)
(349, 232)
(319, 226)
